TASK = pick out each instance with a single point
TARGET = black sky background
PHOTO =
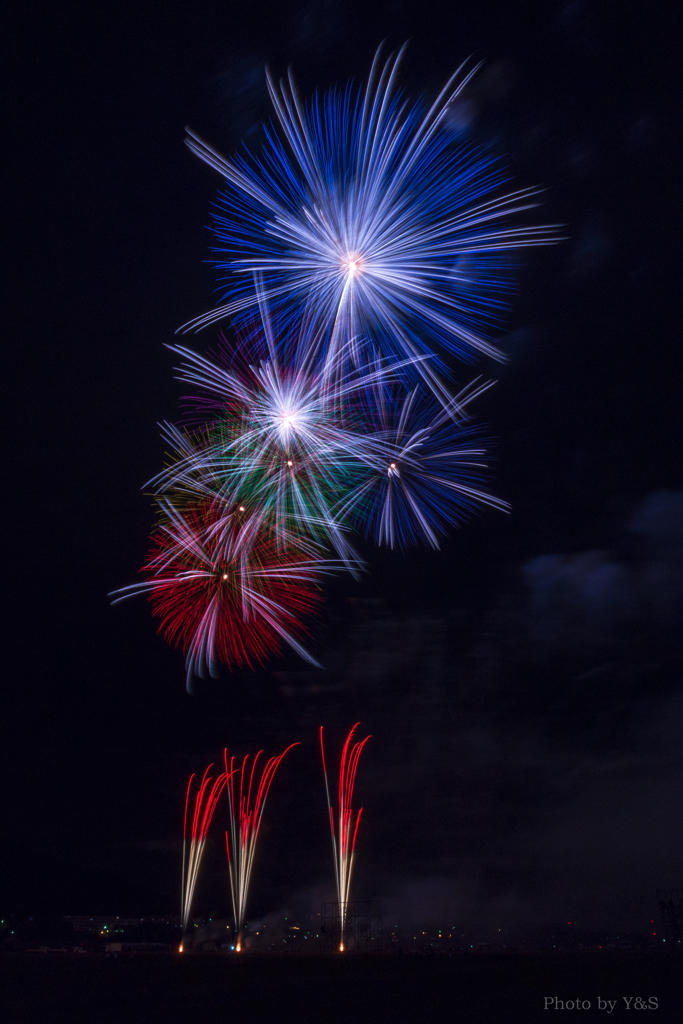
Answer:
(523, 684)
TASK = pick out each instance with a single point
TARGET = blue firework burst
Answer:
(427, 472)
(363, 214)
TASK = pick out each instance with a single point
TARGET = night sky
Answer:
(522, 685)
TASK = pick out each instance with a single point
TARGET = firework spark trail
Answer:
(245, 822)
(362, 214)
(206, 799)
(344, 841)
(220, 599)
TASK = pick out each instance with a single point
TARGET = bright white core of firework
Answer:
(287, 422)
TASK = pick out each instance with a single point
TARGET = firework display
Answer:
(246, 806)
(194, 842)
(359, 252)
(344, 839)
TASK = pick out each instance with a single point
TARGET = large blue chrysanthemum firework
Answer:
(365, 216)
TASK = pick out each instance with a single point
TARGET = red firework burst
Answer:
(224, 592)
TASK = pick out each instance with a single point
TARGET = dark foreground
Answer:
(502, 989)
